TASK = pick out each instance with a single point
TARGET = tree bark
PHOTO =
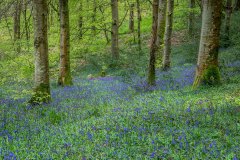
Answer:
(207, 71)
(139, 25)
(42, 87)
(227, 23)
(80, 20)
(131, 19)
(65, 78)
(161, 28)
(94, 14)
(168, 35)
(114, 33)
(191, 17)
(153, 49)
(17, 24)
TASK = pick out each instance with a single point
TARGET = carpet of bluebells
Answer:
(118, 118)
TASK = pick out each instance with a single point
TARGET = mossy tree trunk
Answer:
(207, 71)
(17, 25)
(42, 87)
(168, 35)
(153, 48)
(191, 18)
(161, 29)
(139, 24)
(65, 78)
(227, 23)
(114, 33)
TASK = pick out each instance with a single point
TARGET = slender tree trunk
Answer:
(26, 21)
(153, 49)
(80, 20)
(65, 78)
(114, 34)
(168, 35)
(131, 18)
(161, 28)
(227, 23)
(42, 87)
(139, 25)
(94, 14)
(207, 71)
(191, 18)
(17, 24)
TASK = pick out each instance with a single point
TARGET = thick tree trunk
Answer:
(168, 35)
(65, 78)
(153, 49)
(131, 19)
(139, 25)
(207, 71)
(17, 24)
(161, 29)
(227, 23)
(114, 34)
(191, 18)
(42, 87)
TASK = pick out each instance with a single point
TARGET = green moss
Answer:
(211, 76)
(41, 95)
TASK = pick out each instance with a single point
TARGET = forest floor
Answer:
(116, 117)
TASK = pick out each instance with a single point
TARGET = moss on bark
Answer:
(41, 95)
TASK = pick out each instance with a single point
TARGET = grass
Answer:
(116, 118)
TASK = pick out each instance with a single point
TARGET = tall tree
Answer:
(114, 33)
(153, 48)
(227, 23)
(17, 24)
(131, 18)
(80, 20)
(139, 24)
(191, 17)
(161, 28)
(65, 77)
(168, 35)
(42, 87)
(207, 71)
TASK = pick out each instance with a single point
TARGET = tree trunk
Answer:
(42, 87)
(168, 35)
(207, 71)
(80, 20)
(153, 49)
(65, 78)
(139, 25)
(17, 24)
(191, 18)
(26, 21)
(94, 14)
(161, 29)
(114, 34)
(131, 19)
(227, 23)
